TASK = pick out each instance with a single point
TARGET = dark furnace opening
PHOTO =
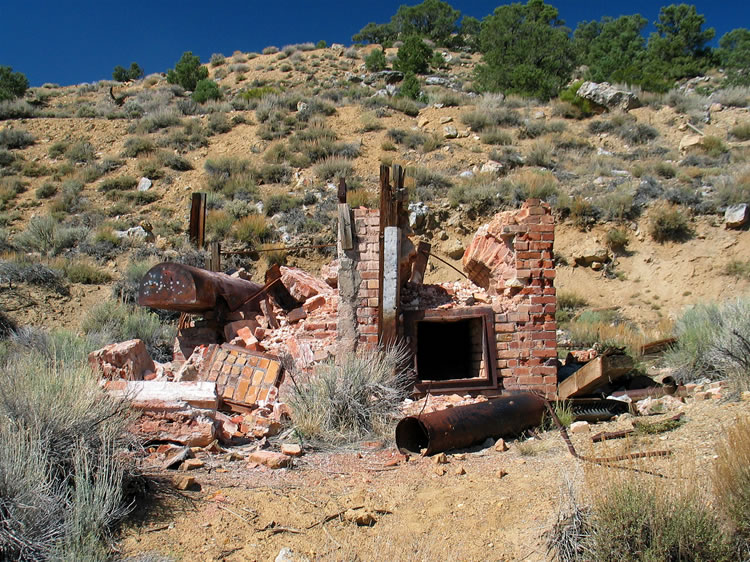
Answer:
(450, 350)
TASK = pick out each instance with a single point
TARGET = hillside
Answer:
(290, 122)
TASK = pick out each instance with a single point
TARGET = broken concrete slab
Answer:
(127, 360)
(594, 374)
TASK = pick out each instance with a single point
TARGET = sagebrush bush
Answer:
(741, 132)
(62, 472)
(20, 270)
(119, 183)
(44, 234)
(135, 146)
(83, 271)
(10, 138)
(346, 402)
(617, 239)
(125, 322)
(252, 230)
(334, 168)
(636, 520)
(711, 343)
(668, 223)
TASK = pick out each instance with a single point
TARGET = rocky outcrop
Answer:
(608, 96)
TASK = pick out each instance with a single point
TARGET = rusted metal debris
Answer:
(174, 286)
(463, 426)
(595, 373)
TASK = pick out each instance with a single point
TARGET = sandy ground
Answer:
(244, 513)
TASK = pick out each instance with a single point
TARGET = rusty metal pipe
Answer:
(463, 426)
(174, 286)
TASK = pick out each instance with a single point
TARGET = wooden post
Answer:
(420, 264)
(198, 220)
(214, 258)
(346, 240)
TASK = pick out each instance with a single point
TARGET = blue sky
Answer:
(81, 41)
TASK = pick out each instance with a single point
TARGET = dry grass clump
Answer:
(345, 402)
(668, 223)
(731, 479)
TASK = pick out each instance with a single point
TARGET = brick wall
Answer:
(525, 327)
(366, 243)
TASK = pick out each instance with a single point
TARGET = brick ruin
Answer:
(496, 333)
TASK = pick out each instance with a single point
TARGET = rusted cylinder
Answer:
(463, 426)
(174, 286)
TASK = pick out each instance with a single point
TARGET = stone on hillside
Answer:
(590, 254)
(438, 81)
(388, 76)
(608, 96)
(418, 212)
(446, 119)
(690, 141)
(455, 249)
(736, 216)
(491, 167)
(125, 360)
(450, 132)
(423, 122)
(144, 184)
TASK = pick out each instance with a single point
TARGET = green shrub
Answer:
(217, 59)
(668, 223)
(280, 204)
(334, 168)
(413, 56)
(120, 74)
(174, 161)
(135, 146)
(496, 136)
(411, 87)
(119, 183)
(80, 152)
(84, 272)
(375, 61)
(583, 106)
(252, 230)
(218, 225)
(617, 239)
(407, 138)
(187, 72)
(11, 137)
(12, 84)
(206, 90)
(741, 132)
(634, 520)
(738, 268)
(46, 235)
(124, 322)
(162, 118)
(713, 146)
(348, 401)
(45, 191)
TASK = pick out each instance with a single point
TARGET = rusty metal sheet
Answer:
(174, 286)
(459, 427)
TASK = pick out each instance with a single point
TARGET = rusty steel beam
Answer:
(174, 286)
(455, 428)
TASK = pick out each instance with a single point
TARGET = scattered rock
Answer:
(580, 427)
(736, 216)
(144, 184)
(608, 96)
(177, 458)
(362, 518)
(446, 119)
(186, 483)
(270, 459)
(590, 254)
(286, 554)
(418, 213)
(192, 464)
(422, 122)
(296, 315)
(440, 458)
(450, 132)
(491, 167)
(440, 471)
(460, 471)
(689, 142)
(501, 473)
(501, 446)
(291, 449)
(455, 249)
